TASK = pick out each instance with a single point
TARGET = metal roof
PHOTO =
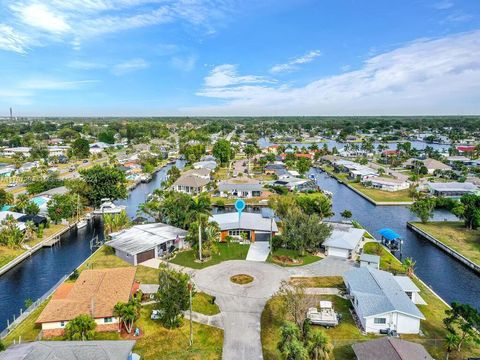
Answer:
(241, 187)
(247, 221)
(377, 292)
(141, 238)
(406, 283)
(370, 258)
(452, 186)
(389, 234)
(344, 237)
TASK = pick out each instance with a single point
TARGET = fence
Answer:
(30, 309)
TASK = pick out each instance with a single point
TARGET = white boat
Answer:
(109, 207)
(82, 223)
(325, 316)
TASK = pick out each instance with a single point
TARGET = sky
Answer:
(239, 57)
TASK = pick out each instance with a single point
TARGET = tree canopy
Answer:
(103, 182)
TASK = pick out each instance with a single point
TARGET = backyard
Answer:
(455, 235)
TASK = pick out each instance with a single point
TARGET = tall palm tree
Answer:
(451, 343)
(116, 222)
(30, 232)
(319, 346)
(409, 266)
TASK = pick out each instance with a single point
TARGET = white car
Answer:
(12, 184)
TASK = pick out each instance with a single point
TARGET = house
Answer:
(344, 241)
(28, 166)
(409, 288)
(209, 164)
(98, 147)
(432, 165)
(70, 350)
(293, 183)
(367, 260)
(254, 226)
(192, 181)
(95, 293)
(148, 241)
(390, 348)
(466, 149)
(16, 215)
(7, 171)
(385, 184)
(380, 303)
(271, 169)
(57, 150)
(452, 160)
(21, 150)
(451, 189)
(360, 173)
(244, 189)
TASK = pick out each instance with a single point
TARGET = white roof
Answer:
(406, 283)
(141, 238)
(452, 186)
(344, 237)
(247, 221)
(325, 304)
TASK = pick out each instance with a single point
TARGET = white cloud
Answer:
(130, 66)
(11, 40)
(226, 75)
(40, 16)
(429, 76)
(292, 64)
(443, 5)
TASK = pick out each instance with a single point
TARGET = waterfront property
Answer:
(384, 183)
(368, 260)
(244, 188)
(193, 181)
(344, 241)
(95, 293)
(252, 226)
(451, 189)
(390, 348)
(380, 302)
(70, 350)
(143, 242)
(430, 164)
(293, 183)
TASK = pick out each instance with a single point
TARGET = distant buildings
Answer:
(451, 189)
(385, 184)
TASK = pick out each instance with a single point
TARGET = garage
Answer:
(333, 251)
(262, 236)
(146, 255)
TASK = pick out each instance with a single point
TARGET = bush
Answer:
(277, 242)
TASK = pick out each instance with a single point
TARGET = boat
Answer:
(82, 223)
(325, 316)
(145, 178)
(108, 207)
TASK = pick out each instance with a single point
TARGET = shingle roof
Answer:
(70, 350)
(370, 258)
(452, 186)
(144, 237)
(191, 180)
(377, 292)
(248, 221)
(227, 186)
(435, 164)
(95, 293)
(345, 237)
(389, 348)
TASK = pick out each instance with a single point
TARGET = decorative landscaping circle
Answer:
(241, 279)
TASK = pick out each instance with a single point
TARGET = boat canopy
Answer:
(389, 234)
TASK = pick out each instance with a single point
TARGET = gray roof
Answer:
(70, 350)
(452, 186)
(227, 187)
(141, 238)
(61, 190)
(191, 180)
(248, 221)
(377, 293)
(406, 283)
(388, 348)
(344, 237)
(149, 288)
(370, 258)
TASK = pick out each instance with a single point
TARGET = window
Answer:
(107, 320)
(379, 320)
(62, 324)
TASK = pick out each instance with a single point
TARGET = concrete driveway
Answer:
(330, 266)
(241, 305)
(258, 251)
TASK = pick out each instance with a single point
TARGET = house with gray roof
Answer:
(451, 189)
(390, 348)
(240, 189)
(70, 350)
(344, 241)
(192, 181)
(254, 226)
(380, 302)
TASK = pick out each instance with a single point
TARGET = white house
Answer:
(344, 241)
(380, 302)
(410, 289)
(240, 189)
(21, 150)
(192, 181)
(385, 184)
(367, 260)
(451, 189)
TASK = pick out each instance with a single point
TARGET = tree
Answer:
(116, 222)
(10, 235)
(80, 328)
(39, 151)
(173, 174)
(463, 321)
(62, 207)
(409, 266)
(172, 297)
(303, 164)
(107, 137)
(295, 301)
(222, 151)
(128, 312)
(80, 148)
(6, 198)
(470, 210)
(346, 214)
(103, 182)
(315, 203)
(250, 150)
(318, 345)
(43, 184)
(451, 343)
(31, 208)
(290, 345)
(423, 208)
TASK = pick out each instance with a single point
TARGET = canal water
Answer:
(36, 275)
(445, 275)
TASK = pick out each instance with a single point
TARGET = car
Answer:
(85, 161)
(12, 184)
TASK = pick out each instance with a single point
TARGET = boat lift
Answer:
(391, 239)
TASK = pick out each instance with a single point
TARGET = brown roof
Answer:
(388, 348)
(95, 293)
(191, 180)
(435, 164)
(63, 291)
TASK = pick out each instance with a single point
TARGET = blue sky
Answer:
(232, 57)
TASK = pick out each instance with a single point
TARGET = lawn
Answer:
(204, 303)
(232, 251)
(382, 196)
(455, 235)
(318, 281)
(158, 342)
(287, 257)
(434, 311)
(221, 174)
(7, 254)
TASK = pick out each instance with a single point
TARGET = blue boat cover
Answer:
(389, 234)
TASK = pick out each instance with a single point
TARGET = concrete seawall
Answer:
(470, 264)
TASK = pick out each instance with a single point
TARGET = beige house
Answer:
(192, 181)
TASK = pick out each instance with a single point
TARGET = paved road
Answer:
(242, 305)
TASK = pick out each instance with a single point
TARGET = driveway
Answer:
(330, 266)
(241, 305)
(258, 251)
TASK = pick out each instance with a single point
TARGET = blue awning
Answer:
(389, 234)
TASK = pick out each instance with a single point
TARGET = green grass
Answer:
(282, 257)
(318, 281)
(232, 251)
(241, 279)
(383, 196)
(455, 235)
(388, 262)
(202, 303)
(158, 342)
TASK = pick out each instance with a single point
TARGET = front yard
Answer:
(456, 236)
(232, 251)
(287, 257)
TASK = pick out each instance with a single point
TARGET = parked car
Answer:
(85, 161)
(12, 184)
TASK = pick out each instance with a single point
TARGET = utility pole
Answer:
(191, 326)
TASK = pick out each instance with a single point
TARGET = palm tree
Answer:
(319, 346)
(30, 232)
(200, 211)
(451, 343)
(80, 328)
(128, 313)
(409, 266)
(116, 222)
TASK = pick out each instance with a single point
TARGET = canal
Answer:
(445, 275)
(36, 275)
